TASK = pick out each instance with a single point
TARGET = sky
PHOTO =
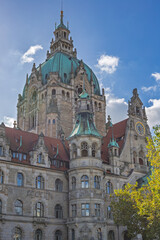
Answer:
(118, 39)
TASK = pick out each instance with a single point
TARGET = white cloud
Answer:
(153, 112)
(107, 63)
(27, 56)
(8, 121)
(146, 89)
(156, 76)
(116, 107)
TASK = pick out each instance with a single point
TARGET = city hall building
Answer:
(61, 162)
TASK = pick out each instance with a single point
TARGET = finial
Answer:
(67, 25)
(61, 11)
(55, 25)
(15, 124)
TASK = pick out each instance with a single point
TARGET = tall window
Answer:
(84, 149)
(111, 235)
(58, 211)
(109, 213)
(53, 92)
(1, 151)
(40, 182)
(73, 183)
(58, 235)
(109, 187)
(40, 158)
(39, 209)
(85, 211)
(0, 206)
(58, 185)
(97, 210)
(18, 207)
(74, 210)
(73, 234)
(74, 150)
(19, 179)
(38, 234)
(1, 177)
(84, 181)
(17, 234)
(97, 180)
(93, 149)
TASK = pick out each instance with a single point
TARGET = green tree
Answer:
(138, 208)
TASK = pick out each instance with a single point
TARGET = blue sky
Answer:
(118, 39)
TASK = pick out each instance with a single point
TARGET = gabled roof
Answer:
(29, 141)
(119, 130)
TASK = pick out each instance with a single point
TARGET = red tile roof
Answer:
(119, 130)
(29, 141)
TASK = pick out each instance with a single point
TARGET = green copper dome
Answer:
(113, 143)
(84, 126)
(62, 64)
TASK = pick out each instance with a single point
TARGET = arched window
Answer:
(40, 158)
(93, 149)
(58, 185)
(134, 157)
(74, 150)
(109, 213)
(19, 179)
(18, 206)
(58, 235)
(65, 77)
(141, 157)
(1, 177)
(1, 151)
(111, 235)
(38, 234)
(100, 106)
(68, 95)
(97, 209)
(40, 182)
(97, 180)
(84, 149)
(109, 187)
(53, 92)
(58, 211)
(140, 161)
(63, 94)
(73, 183)
(39, 209)
(0, 206)
(84, 181)
(95, 104)
(17, 234)
(73, 234)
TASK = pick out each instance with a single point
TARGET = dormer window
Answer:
(40, 158)
(65, 35)
(65, 77)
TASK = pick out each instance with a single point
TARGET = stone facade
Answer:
(60, 165)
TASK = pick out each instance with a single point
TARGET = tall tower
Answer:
(86, 202)
(49, 100)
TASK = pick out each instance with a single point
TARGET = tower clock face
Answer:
(140, 129)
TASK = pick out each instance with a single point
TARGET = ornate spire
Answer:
(61, 16)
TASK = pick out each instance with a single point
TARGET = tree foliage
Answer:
(138, 208)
